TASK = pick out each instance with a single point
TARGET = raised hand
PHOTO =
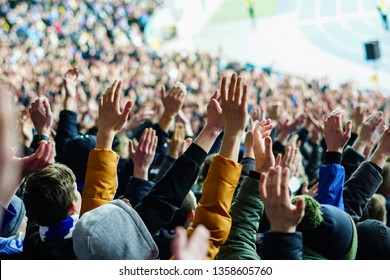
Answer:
(234, 115)
(139, 118)
(367, 130)
(69, 80)
(382, 151)
(172, 102)
(234, 106)
(287, 126)
(214, 112)
(176, 142)
(41, 116)
(194, 248)
(111, 119)
(357, 117)
(290, 159)
(282, 214)
(335, 137)
(142, 154)
(262, 146)
(312, 191)
(43, 156)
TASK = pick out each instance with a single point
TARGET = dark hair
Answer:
(49, 194)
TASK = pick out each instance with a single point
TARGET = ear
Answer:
(191, 216)
(73, 209)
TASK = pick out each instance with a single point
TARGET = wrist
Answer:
(335, 149)
(283, 228)
(378, 158)
(359, 145)
(248, 153)
(211, 130)
(104, 139)
(140, 173)
(173, 154)
(44, 132)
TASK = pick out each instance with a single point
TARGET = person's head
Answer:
(51, 195)
(113, 231)
(377, 208)
(185, 215)
(374, 241)
(328, 232)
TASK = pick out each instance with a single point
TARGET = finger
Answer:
(262, 186)
(284, 190)
(268, 146)
(237, 92)
(126, 111)
(348, 130)
(163, 92)
(278, 159)
(117, 95)
(47, 107)
(48, 151)
(271, 193)
(131, 148)
(232, 87)
(143, 139)
(314, 189)
(299, 210)
(278, 181)
(216, 94)
(179, 242)
(305, 187)
(244, 96)
(111, 92)
(223, 89)
(149, 140)
(154, 144)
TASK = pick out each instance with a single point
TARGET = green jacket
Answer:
(246, 212)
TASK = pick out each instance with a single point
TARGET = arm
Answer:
(100, 180)
(42, 118)
(67, 125)
(246, 211)
(331, 179)
(136, 189)
(158, 207)
(282, 242)
(365, 181)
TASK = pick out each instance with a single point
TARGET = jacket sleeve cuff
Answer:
(332, 158)
(254, 175)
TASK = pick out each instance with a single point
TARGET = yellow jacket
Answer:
(100, 180)
(214, 206)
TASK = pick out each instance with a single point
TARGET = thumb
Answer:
(131, 147)
(300, 208)
(126, 111)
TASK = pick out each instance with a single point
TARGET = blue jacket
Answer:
(331, 181)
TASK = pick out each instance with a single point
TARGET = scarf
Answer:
(61, 230)
(12, 245)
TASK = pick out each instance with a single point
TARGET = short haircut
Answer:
(49, 194)
(181, 215)
(377, 207)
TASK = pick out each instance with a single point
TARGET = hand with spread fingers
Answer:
(290, 159)
(172, 102)
(367, 131)
(214, 112)
(312, 191)
(335, 137)
(262, 146)
(234, 115)
(111, 119)
(69, 82)
(282, 214)
(382, 151)
(287, 126)
(142, 154)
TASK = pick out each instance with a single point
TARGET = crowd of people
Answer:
(110, 150)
